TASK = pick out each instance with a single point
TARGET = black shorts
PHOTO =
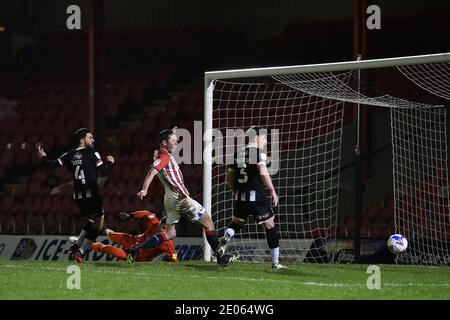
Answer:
(90, 207)
(260, 210)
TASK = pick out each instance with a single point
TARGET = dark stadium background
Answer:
(148, 58)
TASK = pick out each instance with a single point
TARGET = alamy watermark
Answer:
(374, 280)
(73, 21)
(74, 280)
(221, 146)
(374, 20)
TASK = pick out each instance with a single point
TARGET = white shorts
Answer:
(175, 208)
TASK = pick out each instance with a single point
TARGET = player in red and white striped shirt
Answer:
(177, 200)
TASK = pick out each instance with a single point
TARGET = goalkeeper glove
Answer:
(124, 216)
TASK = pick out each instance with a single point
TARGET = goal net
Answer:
(306, 110)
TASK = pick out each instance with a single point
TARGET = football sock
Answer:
(272, 238)
(232, 229)
(86, 245)
(229, 233)
(154, 241)
(81, 237)
(274, 243)
(211, 237)
(275, 252)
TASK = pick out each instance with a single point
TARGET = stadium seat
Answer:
(349, 224)
(340, 231)
(34, 187)
(35, 226)
(2, 172)
(51, 224)
(7, 224)
(380, 231)
(8, 201)
(7, 157)
(66, 225)
(21, 225)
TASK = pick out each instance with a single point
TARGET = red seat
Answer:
(7, 202)
(7, 157)
(66, 225)
(51, 224)
(35, 225)
(7, 224)
(34, 187)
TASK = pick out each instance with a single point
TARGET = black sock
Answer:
(272, 238)
(211, 237)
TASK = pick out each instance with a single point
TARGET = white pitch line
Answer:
(234, 278)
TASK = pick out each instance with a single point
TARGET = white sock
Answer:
(275, 253)
(81, 237)
(229, 233)
(86, 245)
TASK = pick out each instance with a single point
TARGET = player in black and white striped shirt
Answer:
(83, 163)
(252, 187)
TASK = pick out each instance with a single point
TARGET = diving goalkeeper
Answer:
(128, 240)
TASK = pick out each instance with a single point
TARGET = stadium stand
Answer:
(151, 84)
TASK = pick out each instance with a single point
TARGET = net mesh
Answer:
(306, 114)
(419, 142)
(432, 77)
(304, 165)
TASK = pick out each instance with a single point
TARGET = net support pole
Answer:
(207, 159)
(358, 175)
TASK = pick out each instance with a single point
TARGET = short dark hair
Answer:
(255, 131)
(81, 133)
(165, 134)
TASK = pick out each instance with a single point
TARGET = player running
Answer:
(252, 187)
(83, 163)
(177, 201)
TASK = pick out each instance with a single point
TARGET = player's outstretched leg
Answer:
(211, 236)
(225, 259)
(223, 244)
(111, 250)
(132, 254)
(231, 230)
(75, 251)
(274, 245)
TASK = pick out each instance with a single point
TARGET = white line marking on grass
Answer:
(393, 284)
(234, 278)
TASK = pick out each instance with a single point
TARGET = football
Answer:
(397, 243)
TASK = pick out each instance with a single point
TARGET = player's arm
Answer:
(51, 164)
(103, 166)
(265, 177)
(230, 178)
(147, 181)
(156, 167)
(139, 215)
(150, 216)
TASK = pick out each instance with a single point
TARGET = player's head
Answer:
(84, 138)
(257, 136)
(168, 139)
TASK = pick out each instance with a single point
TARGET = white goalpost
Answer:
(305, 110)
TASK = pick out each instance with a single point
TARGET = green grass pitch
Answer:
(203, 281)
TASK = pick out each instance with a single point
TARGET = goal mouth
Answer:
(312, 109)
